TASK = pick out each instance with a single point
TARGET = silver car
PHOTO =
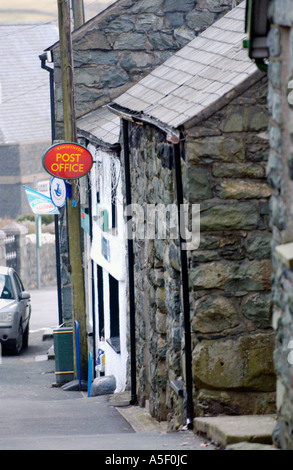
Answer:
(15, 311)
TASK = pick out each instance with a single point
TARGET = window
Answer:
(114, 339)
(113, 207)
(101, 302)
(18, 283)
(6, 291)
(115, 178)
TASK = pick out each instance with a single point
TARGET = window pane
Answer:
(6, 291)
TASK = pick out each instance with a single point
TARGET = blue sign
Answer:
(58, 191)
(106, 249)
(40, 204)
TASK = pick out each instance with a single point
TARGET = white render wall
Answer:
(115, 364)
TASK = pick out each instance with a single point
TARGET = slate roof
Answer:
(25, 93)
(102, 124)
(200, 74)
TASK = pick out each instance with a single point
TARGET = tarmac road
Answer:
(36, 415)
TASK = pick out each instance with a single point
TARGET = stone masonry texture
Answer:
(279, 172)
(19, 164)
(116, 49)
(229, 274)
(125, 42)
(224, 162)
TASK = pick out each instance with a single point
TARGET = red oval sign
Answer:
(67, 161)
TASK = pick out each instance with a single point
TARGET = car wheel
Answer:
(25, 337)
(18, 341)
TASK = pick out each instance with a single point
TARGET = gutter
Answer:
(172, 134)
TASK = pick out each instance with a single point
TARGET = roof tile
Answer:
(195, 77)
(207, 68)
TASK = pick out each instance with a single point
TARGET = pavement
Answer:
(249, 432)
(143, 432)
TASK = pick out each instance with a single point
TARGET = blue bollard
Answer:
(77, 350)
(90, 372)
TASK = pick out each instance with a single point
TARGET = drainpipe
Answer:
(185, 287)
(133, 400)
(43, 59)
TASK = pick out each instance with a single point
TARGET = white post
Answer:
(37, 242)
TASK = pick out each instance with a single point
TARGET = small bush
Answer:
(46, 218)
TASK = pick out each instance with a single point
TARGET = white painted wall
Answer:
(100, 177)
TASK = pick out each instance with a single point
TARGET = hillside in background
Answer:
(43, 10)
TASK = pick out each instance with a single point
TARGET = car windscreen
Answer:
(6, 290)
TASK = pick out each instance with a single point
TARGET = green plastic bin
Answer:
(63, 349)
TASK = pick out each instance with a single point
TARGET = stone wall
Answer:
(26, 264)
(157, 274)
(230, 275)
(224, 170)
(19, 165)
(280, 179)
(125, 42)
(10, 193)
(47, 261)
(116, 49)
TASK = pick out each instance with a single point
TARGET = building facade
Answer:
(280, 178)
(240, 276)
(127, 40)
(112, 52)
(108, 256)
(25, 126)
(205, 110)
